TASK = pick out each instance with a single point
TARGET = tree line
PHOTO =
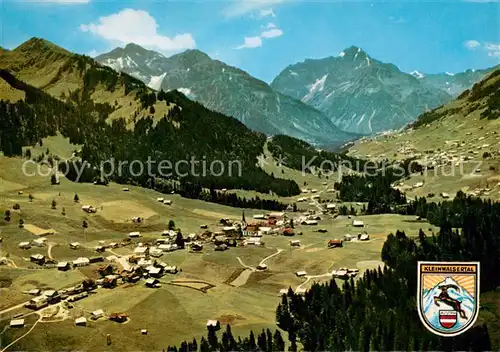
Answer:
(265, 341)
(300, 155)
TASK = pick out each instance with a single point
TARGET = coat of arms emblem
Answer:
(448, 296)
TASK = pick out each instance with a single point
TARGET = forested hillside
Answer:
(187, 131)
(379, 311)
(299, 155)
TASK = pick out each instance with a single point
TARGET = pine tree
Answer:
(204, 345)
(278, 342)
(183, 347)
(30, 196)
(21, 223)
(225, 341)
(212, 340)
(262, 341)
(179, 240)
(76, 199)
(269, 338)
(171, 225)
(54, 204)
(232, 342)
(7, 215)
(293, 341)
(251, 341)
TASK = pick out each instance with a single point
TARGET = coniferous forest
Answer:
(378, 312)
(299, 155)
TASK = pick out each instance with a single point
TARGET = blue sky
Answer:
(264, 36)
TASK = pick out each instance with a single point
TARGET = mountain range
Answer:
(316, 100)
(363, 95)
(227, 90)
(453, 83)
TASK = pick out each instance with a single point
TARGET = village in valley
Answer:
(90, 255)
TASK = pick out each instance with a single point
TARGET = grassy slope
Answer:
(10, 94)
(459, 123)
(38, 63)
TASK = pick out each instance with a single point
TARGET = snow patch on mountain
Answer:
(370, 120)
(417, 74)
(361, 118)
(317, 86)
(155, 81)
(138, 75)
(342, 54)
(186, 91)
(130, 62)
(293, 73)
(120, 63)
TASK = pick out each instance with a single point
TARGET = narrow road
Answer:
(49, 250)
(279, 250)
(122, 260)
(246, 266)
(21, 305)
(12, 264)
(309, 277)
(316, 203)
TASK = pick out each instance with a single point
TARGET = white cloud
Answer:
(92, 53)
(493, 49)
(471, 44)
(272, 31)
(275, 32)
(266, 12)
(244, 7)
(137, 26)
(251, 42)
(254, 42)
